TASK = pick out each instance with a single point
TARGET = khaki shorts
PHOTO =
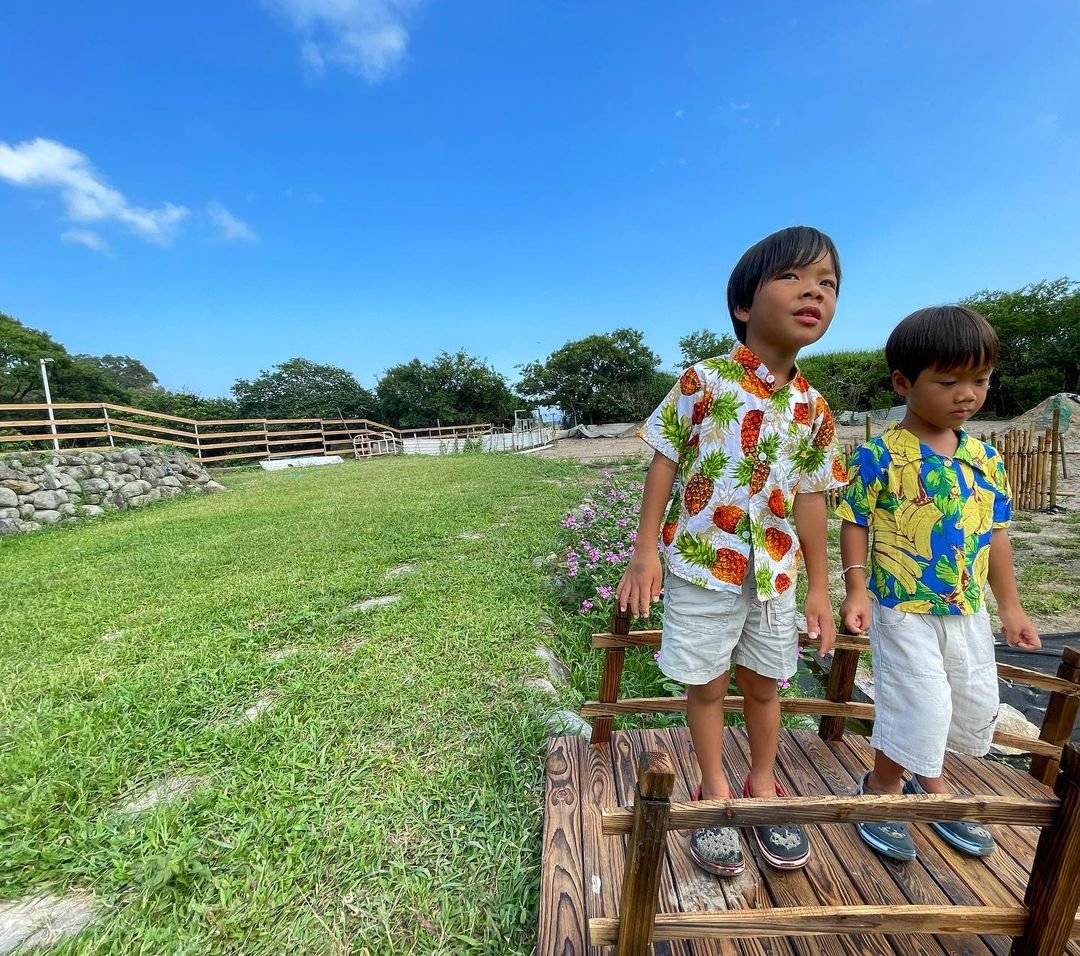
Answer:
(705, 632)
(935, 686)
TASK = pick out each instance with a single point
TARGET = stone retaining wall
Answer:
(41, 489)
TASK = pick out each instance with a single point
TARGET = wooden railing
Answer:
(41, 426)
(1043, 925)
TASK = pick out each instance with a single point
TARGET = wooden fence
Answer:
(1034, 462)
(42, 426)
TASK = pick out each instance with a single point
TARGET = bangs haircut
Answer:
(946, 337)
(793, 248)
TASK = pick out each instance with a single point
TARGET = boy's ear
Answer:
(901, 383)
(743, 315)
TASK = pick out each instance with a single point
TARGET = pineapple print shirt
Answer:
(931, 517)
(744, 448)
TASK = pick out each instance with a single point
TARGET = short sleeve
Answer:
(832, 471)
(864, 486)
(1002, 494)
(669, 427)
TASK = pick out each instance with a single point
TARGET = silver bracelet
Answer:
(852, 567)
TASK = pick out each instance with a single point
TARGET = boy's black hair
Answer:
(946, 337)
(791, 248)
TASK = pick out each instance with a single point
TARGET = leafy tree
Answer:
(70, 378)
(1039, 329)
(300, 388)
(454, 389)
(703, 344)
(187, 405)
(857, 380)
(600, 378)
(123, 371)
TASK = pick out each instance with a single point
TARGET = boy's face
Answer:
(794, 309)
(945, 398)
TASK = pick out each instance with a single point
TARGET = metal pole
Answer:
(48, 401)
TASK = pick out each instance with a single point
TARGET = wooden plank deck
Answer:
(582, 869)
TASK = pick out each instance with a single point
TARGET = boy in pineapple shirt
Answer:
(936, 501)
(748, 447)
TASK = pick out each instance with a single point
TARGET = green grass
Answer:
(390, 800)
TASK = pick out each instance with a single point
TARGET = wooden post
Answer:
(1055, 435)
(266, 438)
(1053, 890)
(198, 443)
(868, 426)
(108, 425)
(839, 689)
(1057, 725)
(611, 676)
(645, 854)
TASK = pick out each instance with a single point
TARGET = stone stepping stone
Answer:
(471, 536)
(109, 636)
(374, 602)
(44, 919)
(282, 653)
(558, 672)
(400, 570)
(161, 791)
(257, 709)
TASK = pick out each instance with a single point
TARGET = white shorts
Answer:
(935, 686)
(706, 631)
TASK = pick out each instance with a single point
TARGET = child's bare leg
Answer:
(886, 777)
(933, 784)
(762, 710)
(705, 715)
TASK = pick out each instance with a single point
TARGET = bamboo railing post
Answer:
(1053, 890)
(645, 854)
(611, 676)
(868, 426)
(840, 686)
(1060, 718)
(322, 435)
(1055, 436)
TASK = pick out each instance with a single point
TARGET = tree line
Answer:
(605, 377)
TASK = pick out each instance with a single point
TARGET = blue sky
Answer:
(215, 188)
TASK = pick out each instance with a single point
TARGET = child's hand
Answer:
(640, 584)
(855, 613)
(1018, 629)
(819, 619)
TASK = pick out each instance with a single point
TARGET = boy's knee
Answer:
(754, 687)
(709, 693)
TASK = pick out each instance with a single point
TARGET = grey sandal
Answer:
(716, 850)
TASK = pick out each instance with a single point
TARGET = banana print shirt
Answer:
(743, 447)
(931, 518)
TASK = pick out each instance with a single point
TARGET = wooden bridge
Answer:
(613, 877)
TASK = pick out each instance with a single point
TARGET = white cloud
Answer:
(366, 37)
(679, 114)
(88, 238)
(739, 107)
(229, 226)
(87, 197)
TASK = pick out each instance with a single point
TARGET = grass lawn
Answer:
(388, 800)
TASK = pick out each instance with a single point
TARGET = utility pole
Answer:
(48, 401)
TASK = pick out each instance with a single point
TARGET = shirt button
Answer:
(770, 379)
(763, 457)
(948, 461)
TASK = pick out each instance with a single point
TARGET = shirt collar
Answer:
(905, 445)
(754, 365)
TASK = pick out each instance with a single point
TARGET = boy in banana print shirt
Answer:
(936, 502)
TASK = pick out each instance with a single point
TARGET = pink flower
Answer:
(605, 591)
(783, 684)
(586, 606)
(656, 657)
